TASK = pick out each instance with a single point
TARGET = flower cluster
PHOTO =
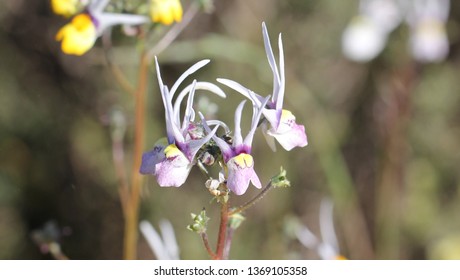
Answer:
(366, 36)
(171, 160)
(89, 20)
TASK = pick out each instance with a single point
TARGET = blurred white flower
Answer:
(327, 247)
(165, 246)
(366, 35)
(427, 19)
(363, 39)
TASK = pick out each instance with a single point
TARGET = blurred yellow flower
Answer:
(78, 36)
(165, 11)
(65, 8)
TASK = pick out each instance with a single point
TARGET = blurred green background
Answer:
(384, 137)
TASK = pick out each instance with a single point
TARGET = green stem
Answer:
(253, 201)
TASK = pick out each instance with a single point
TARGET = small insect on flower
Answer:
(171, 161)
(165, 11)
(237, 156)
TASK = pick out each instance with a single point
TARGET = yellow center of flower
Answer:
(244, 160)
(78, 36)
(172, 151)
(65, 8)
(287, 115)
(166, 11)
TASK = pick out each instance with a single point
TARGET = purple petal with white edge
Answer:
(272, 62)
(225, 148)
(237, 138)
(151, 159)
(187, 73)
(174, 169)
(289, 134)
(241, 173)
(257, 112)
(199, 86)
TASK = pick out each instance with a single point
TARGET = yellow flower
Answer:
(165, 11)
(65, 8)
(78, 36)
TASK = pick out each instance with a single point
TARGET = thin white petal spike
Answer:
(187, 73)
(238, 138)
(272, 62)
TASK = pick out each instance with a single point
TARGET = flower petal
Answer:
(195, 67)
(151, 159)
(174, 169)
(257, 112)
(199, 86)
(237, 138)
(289, 134)
(65, 8)
(78, 36)
(280, 94)
(166, 11)
(240, 173)
(272, 62)
(194, 145)
(106, 20)
(254, 97)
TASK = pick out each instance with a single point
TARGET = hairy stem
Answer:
(252, 201)
(204, 237)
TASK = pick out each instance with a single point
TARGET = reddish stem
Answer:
(132, 205)
(222, 231)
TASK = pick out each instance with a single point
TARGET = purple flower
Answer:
(282, 125)
(171, 160)
(240, 164)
